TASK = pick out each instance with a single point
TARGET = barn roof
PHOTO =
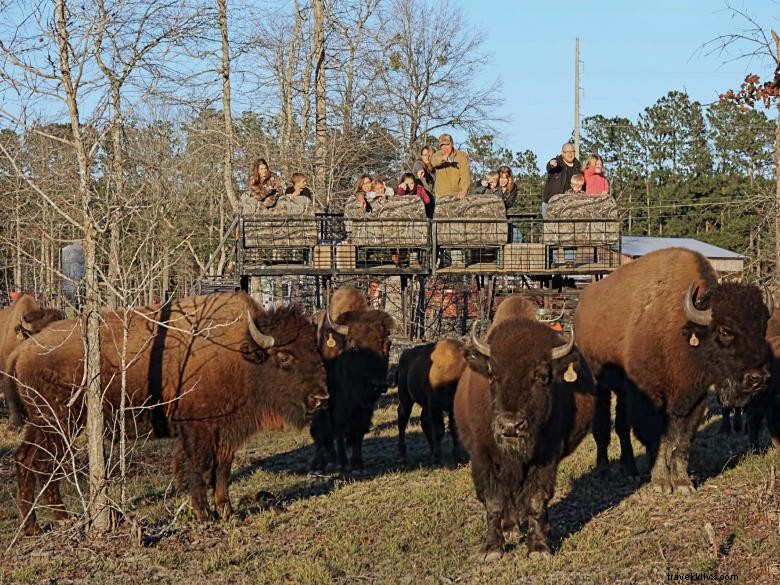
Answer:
(639, 246)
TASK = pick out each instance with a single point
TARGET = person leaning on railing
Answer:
(452, 169)
(299, 191)
(263, 189)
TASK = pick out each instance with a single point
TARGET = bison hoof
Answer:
(32, 529)
(684, 489)
(662, 487)
(536, 555)
(629, 470)
(492, 556)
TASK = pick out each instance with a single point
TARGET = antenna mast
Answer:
(577, 98)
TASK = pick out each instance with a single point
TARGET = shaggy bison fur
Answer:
(519, 410)
(209, 370)
(23, 318)
(647, 336)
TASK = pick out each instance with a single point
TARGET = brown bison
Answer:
(209, 370)
(354, 342)
(428, 375)
(525, 401)
(648, 335)
(23, 318)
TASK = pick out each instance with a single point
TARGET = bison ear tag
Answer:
(570, 375)
(694, 341)
(331, 343)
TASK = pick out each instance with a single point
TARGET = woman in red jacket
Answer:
(595, 181)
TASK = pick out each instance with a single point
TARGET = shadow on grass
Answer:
(712, 453)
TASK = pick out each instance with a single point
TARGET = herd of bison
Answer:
(212, 370)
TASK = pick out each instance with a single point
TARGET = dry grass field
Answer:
(411, 523)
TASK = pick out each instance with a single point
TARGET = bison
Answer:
(354, 341)
(23, 318)
(428, 375)
(766, 405)
(209, 370)
(525, 402)
(649, 335)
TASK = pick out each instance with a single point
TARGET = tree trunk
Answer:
(229, 133)
(99, 510)
(115, 217)
(320, 175)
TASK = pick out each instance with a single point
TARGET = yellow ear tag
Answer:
(694, 341)
(570, 375)
(331, 342)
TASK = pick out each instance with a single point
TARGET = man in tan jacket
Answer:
(453, 176)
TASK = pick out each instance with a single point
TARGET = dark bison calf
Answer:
(355, 344)
(428, 375)
(525, 401)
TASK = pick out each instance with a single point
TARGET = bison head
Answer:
(293, 376)
(34, 321)
(726, 327)
(523, 360)
(365, 337)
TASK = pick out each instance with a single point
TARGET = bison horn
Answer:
(565, 349)
(694, 315)
(260, 338)
(26, 325)
(540, 314)
(340, 329)
(770, 300)
(480, 346)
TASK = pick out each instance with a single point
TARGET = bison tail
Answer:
(13, 402)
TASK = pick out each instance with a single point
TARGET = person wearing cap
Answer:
(560, 170)
(453, 176)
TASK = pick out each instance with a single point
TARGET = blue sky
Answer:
(632, 53)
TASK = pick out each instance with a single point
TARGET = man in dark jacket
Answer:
(560, 170)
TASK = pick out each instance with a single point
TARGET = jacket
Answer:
(452, 175)
(559, 178)
(595, 183)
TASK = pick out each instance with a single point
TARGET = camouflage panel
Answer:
(290, 222)
(363, 230)
(485, 233)
(605, 227)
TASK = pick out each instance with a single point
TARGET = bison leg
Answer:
(754, 417)
(458, 452)
(488, 492)
(192, 464)
(222, 482)
(602, 425)
(773, 421)
(405, 405)
(322, 433)
(356, 430)
(670, 472)
(541, 486)
(737, 420)
(623, 430)
(686, 431)
(27, 460)
(725, 420)
(341, 451)
(433, 426)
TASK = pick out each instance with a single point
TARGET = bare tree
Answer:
(754, 43)
(428, 65)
